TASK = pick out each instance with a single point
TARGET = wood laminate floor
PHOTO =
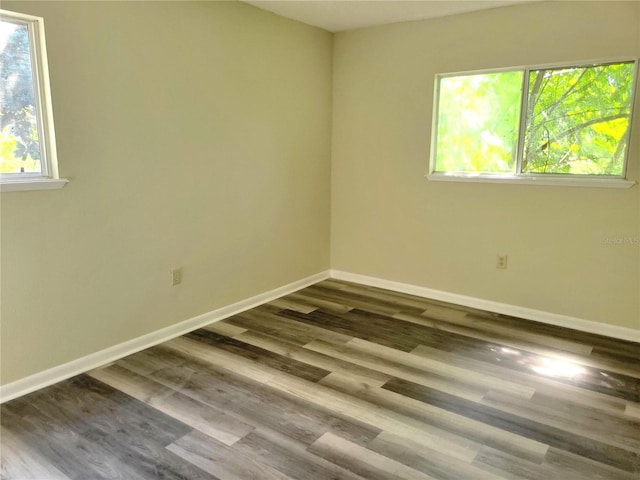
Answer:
(342, 381)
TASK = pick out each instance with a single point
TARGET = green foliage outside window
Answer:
(19, 144)
(576, 121)
(478, 122)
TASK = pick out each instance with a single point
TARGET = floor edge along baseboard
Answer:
(67, 370)
(56, 374)
(558, 320)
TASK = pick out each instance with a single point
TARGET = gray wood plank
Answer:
(342, 381)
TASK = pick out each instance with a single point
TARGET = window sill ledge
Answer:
(524, 180)
(23, 185)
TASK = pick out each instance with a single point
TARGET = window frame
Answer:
(528, 178)
(48, 178)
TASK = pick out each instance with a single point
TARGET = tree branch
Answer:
(569, 90)
(566, 115)
(618, 152)
(589, 123)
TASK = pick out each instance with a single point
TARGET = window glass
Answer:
(20, 150)
(478, 121)
(578, 120)
(573, 120)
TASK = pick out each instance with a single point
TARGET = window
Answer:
(535, 125)
(27, 143)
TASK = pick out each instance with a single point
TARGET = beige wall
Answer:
(193, 134)
(388, 221)
(213, 153)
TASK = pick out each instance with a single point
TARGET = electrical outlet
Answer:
(501, 263)
(176, 276)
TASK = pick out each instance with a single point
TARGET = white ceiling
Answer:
(340, 15)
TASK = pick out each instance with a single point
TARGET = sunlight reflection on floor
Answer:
(555, 367)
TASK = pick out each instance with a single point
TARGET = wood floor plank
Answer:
(316, 302)
(259, 355)
(500, 331)
(510, 467)
(544, 386)
(632, 409)
(426, 460)
(285, 328)
(627, 349)
(572, 405)
(129, 430)
(571, 465)
(387, 298)
(74, 455)
(244, 366)
(326, 362)
(618, 358)
(84, 442)
(245, 398)
(445, 369)
(597, 380)
(110, 411)
(343, 381)
(363, 461)
(224, 328)
(624, 434)
(558, 464)
(220, 460)
(394, 369)
(468, 327)
(388, 301)
(19, 461)
(291, 304)
(400, 299)
(204, 418)
(604, 453)
(445, 424)
(291, 458)
(355, 301)
(371, 326)
(373, 415)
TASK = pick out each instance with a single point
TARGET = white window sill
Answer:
(556, 181)
(23, 184)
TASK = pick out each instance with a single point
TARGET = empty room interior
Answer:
(320, 240)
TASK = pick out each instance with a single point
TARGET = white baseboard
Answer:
(75, 367)
(566, 321)
(94, 360)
